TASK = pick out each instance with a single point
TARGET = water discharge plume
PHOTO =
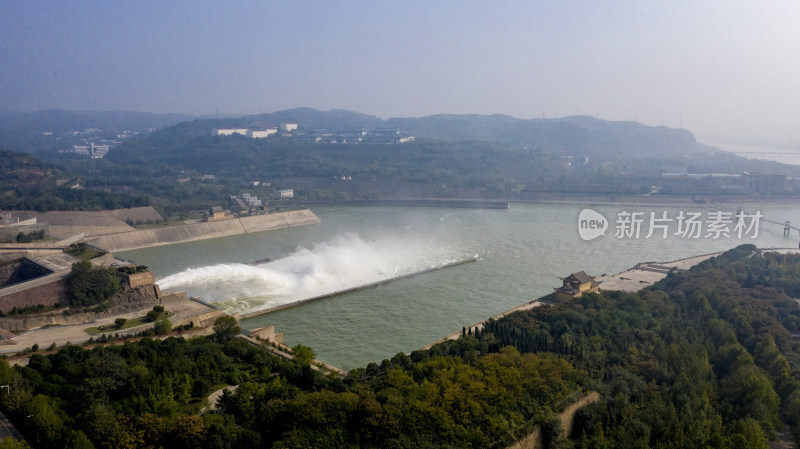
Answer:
(344, 262)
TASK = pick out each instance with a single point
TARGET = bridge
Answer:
(764, 154)
(787, 225)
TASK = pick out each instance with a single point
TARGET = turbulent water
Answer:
(522, 253)
(341, 263)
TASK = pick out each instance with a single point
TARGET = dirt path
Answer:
(214, 397)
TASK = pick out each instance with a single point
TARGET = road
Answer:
(60, 335)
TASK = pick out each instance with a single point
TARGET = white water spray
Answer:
(342, 263)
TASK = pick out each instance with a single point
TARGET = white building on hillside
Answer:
(284, 194)
(231, 131)
(261, 133)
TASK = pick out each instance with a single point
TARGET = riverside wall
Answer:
(205, 230)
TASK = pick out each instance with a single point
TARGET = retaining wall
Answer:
(205, 230)
(48, 294)
(203, 320)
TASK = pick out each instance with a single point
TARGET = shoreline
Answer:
(683, 264)
(581, 199)
(147, 238)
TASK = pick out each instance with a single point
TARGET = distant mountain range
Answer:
(45, 132)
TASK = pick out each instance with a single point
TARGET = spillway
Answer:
(357, 288)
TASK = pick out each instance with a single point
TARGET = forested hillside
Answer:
(27, 183)
(44, 133)
(186, 167)
(705, 358)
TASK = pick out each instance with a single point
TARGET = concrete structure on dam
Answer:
(204, 230)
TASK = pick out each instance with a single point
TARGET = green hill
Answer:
(27, 183)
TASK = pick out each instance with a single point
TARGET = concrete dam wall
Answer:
(205, 230)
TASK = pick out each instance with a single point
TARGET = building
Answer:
(138, 279)
(575, 285)
(218, 214)
(83, 150)
(352, 132)
(262, 132)
(289, 126)
(386, 132)
(284, 194)
(230, 131)
(98, 151)
(267, 333)
(768, 183)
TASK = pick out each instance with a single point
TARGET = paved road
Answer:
(637, 278)
(60, 335)
(7, 429)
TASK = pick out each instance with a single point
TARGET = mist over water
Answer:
(340, 263)
(522, 252)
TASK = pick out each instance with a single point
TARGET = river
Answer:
(522, 253)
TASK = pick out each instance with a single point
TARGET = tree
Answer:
(78, 440)
(89, 286)
(227, 326)
(303, 354)
(9, 443)
(162, 327)
(119, 322)
(45, 418)
(155, 314)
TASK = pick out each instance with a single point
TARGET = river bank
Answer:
(146, 238)
(523, 252)
(641, 276)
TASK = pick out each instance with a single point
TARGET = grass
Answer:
(174, 220)
(133, 322)
(84, 252)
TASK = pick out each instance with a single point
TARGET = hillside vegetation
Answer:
(27, 183)
(186, 167)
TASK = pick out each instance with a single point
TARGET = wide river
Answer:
(522, 253)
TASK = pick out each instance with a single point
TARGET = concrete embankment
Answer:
(206, 230)
(423, 202)
(357, 288)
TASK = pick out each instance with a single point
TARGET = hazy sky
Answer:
(721, 69)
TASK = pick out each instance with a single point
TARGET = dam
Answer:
(145, 238)
(356, 288)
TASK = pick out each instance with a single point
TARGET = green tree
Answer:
(78, 440)
(303, 354)
(119, 322)
(90, 286)
(226, 326)
(156, 313)
(162, 327)
(45, 418)
(9, 443)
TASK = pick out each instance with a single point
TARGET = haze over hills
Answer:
(575, 135)
(46, 132)
(580, 136)
(472, 156)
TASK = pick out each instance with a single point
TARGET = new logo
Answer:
(591, 224)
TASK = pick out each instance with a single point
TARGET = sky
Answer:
(725, 70)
